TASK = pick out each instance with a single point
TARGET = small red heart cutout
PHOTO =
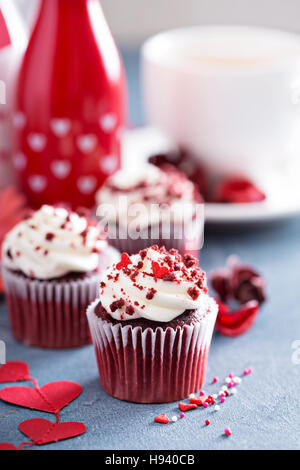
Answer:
(159, 271)
(14, 371)
(42, 431)
(125, 261)
(7, 446)
(50, 398)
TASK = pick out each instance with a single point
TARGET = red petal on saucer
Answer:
(42, 431)
(238, 322)
(14, 371)
(238, 191)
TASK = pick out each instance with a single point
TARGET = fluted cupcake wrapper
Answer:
(51, 314)
(190, 242)
(151, 366)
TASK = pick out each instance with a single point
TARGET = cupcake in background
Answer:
(152, 327)
(147, 205)
(51, 266)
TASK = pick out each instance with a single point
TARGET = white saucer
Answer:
(283, 191)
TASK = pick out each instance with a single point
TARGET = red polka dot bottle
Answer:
(70, 105)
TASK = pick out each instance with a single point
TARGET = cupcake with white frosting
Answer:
(152, 326)
(147, 205)
(51, 265)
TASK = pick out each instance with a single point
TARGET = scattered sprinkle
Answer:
(181, 415)
(174, 419)
(207, 422)
(162, 418)
(187, 406)
(202, 393)
(227, 431)
(217, 408)
(215, 380)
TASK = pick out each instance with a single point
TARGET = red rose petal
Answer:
(162, 418)
(238, 191)
(42, 431)
(238, 322)
(186, 406)
(198, 400)
(50, 398)
(125, 261)
(159, 271)
(14, 371)
(7, 446)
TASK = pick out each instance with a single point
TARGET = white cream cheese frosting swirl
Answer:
(145, 195)
(53, 242)
(155, 284)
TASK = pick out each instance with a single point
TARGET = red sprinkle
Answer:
(162, 418)
(199, 401)
(159, 271)
(186, 406)
(125, 261)
(207, 422)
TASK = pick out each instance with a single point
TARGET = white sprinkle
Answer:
(215, 396)
(233, 391)
(217, 408)
(224, 388)
(228, 380)
(191, 395)
(174, 419)
(238, 380)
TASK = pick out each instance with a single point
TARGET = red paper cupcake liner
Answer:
(151, 366)
(51, 314)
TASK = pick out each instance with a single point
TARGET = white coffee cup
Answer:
(228, 94)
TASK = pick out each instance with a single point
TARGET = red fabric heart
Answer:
(163, 418)
(42, 431)
(125, 261)
(238, 322)
(159, 271)
(7, 446)
(51, 397)
(14, 371)
(186, 406)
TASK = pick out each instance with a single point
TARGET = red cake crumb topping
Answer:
(117, 305)
(130, 310)
(151, 293)
(193, 293)
(49, 236)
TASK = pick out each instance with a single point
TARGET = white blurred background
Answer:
(134, 20)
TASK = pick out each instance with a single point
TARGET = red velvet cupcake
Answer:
(146, 205)
(152, 327)
(51, 265)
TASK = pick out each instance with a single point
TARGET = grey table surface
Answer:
(265, 412)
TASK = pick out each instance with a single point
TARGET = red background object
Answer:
(70, 105)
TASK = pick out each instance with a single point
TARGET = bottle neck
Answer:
(53, 10)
